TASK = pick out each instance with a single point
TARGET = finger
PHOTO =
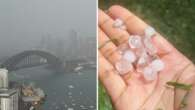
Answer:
(137, 26)
(106, 24)
(190, 101)
(113, 83)
(108, 49)
(185, 79)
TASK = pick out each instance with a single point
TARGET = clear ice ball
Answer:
(149, 32)
(149, 74)
(118, 23)
(157, 65)
(143, 59)
(150, 48)
(135, 41)
(129, 56)
(123, 66)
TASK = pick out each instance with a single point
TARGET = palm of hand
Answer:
(148, 96)
(133, 93)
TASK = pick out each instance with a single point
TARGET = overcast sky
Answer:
(23, 22)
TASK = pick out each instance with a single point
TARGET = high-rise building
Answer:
(3, 78)
(8, 97)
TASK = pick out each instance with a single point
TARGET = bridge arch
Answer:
(11, 63)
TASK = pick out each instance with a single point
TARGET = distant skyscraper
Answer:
(73, 44)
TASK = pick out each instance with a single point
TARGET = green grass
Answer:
(174, 19)
(104, 100)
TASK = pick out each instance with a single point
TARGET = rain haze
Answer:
(24, 22)
(51, 45)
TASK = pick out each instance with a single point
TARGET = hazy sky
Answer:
(23, 22)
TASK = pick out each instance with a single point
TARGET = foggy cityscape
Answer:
(38, 35)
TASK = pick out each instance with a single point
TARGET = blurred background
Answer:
(174, 19)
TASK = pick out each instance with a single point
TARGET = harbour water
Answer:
(65, 91)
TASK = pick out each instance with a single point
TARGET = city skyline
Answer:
(25, 22)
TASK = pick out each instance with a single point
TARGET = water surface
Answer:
(65, 91)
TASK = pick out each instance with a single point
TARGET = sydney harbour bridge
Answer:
(32, 58)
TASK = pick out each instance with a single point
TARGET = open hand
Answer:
(129, 91)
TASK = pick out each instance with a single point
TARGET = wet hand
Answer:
(130, 91)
